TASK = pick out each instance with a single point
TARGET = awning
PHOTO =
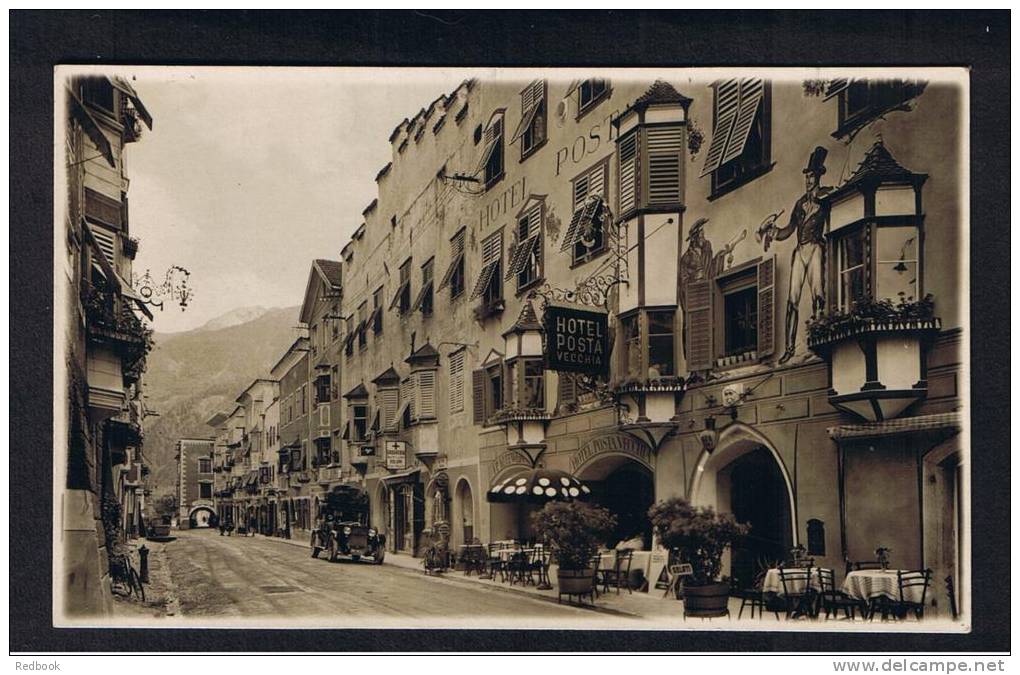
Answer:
(402, 477)
(537, 486)
(948, 422)
(91, 128)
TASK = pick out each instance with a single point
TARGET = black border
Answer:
(39, 40)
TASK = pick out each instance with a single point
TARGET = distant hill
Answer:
(193, 374)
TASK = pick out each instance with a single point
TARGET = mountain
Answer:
(193, 374)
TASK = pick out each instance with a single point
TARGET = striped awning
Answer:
(947, 422)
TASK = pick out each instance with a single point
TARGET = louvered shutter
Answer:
(628, 158)
(492, 252)
(389, 401)
(491, 137)
(726, 109)
(456, 255)
(426, 389)
(836, 87)
(752, 93)
(478, 380)
(531, 99)
(522, 255)
(699, 325)
(457, 382)
(407, 396)
(767, 306)
(105, 239)
(665, 153)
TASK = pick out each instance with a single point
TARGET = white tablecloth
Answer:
(774, 584)
(868, 584)
(607, 561)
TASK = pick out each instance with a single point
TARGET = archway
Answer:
(746, 477)
(626, 487)
(464, 512)
(379, 511)
(199, 516)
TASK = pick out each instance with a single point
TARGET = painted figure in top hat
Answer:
(807, 220)
(698, 263)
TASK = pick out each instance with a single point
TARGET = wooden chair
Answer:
(494, 563)
(620, 574)
(798, 602)
(907, 580)
(832, 600)
(518, 568)
(753, 597)
(538, 561)
(951, 592)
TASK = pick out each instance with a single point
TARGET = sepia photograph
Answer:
(564, 348)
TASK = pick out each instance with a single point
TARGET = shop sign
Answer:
(396, 455)
(577, 340)
(618, 444)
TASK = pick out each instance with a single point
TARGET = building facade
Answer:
(195, 482)
(100, 341)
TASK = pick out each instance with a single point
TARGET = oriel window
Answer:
(359, 415)
(660, 344)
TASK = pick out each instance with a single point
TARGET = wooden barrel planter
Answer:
(707, 601)
(575, 582)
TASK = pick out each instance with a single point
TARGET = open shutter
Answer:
(407, 396)
(478, 380)
(726, 107)
(665, 156)
(767, 306)
(836, 87)
(752, 93)
(699, 325)
(567, 394)
(628, 154)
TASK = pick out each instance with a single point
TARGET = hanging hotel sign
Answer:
(577, 340)
(396, 455)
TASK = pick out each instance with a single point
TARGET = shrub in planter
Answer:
(700, 535)
(574, 532)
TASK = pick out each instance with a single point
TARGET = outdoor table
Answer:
(774, 583)
(866, 585)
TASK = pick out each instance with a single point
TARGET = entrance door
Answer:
(627, 492)
(758, 497)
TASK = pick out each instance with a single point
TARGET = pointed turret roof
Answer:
(388, 377)
(879, 165)
(527, 320)
(426, 355)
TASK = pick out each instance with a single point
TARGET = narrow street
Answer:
(245, 580)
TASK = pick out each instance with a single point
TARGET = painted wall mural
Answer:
(807, 222)
(698, 263)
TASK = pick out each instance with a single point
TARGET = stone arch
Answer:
(735, 441)
(379, 508)
(198, 516)
(465, 512)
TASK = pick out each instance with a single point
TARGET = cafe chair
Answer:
(538, 562)
(796, 597)
(518, 568)
(620, 574)
(832, 600)
(909, 581)
(495, 563)
(753, 597)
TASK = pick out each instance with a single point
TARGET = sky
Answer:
(249, 174)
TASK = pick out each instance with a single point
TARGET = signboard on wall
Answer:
(396, 455)
(577, 340)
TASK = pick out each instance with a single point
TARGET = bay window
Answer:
(660, 344)
(648, 349)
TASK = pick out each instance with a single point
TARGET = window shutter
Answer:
(726, 108)
(752, 93)
(457, 382)
(836, 87)
(628, 154)
(767, 307)
(478, 381)
(426, 394)
(699, 325)
(106, 243)
(407, 396)
(665, 153)
(388, 402)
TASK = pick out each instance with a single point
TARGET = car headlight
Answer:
(347, 530)
(371, 533)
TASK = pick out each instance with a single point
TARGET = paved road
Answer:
(240, 579)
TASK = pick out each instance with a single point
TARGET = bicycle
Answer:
(124, 573)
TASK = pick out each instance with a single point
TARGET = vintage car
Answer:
(344, 531)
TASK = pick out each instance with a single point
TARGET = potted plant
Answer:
(574, 531)
(700, 535)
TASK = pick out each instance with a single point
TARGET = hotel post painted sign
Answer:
(577, 340)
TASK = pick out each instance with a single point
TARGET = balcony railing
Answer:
(110, 319)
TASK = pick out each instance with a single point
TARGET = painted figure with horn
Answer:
(807, 220)
(699, 263)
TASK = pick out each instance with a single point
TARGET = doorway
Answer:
(626, 489)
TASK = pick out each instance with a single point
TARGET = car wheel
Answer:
(379, 557)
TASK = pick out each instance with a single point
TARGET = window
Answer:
(418, 396)
(532, 128)
(424, 299)
(489, 286)
(349, 338)
(862, 101)
(359, 415)
(363, 325)
(454, 277)
(377, 314)
(323, 390)
(314, 338)
(495, 389)
(631, 352)
(99, 93)
(297, 458)
(334, 322)
(402, 298)
(526, 259)
(585, 237)
(457, 381)
(205, 490)
(303, 393)
(205, 466)
(533, 390)
(741, 133)
(323, 451)
(590, 93)
(660, 344)
(894, 275)
(387, 400)
(491, 165)
(730, 319)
